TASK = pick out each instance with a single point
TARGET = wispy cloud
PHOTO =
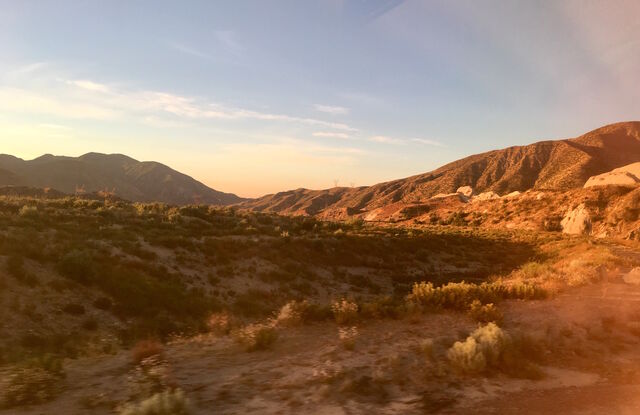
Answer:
(229, 41)
(89, 85)
(428, 142)
(401, 141)
(83, 98)
(330, 109)
(330, 134)
(361, 98)
(188, 50)
(29, 68)
(386, 140)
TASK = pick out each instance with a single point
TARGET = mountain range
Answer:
(552, 164)
(130, 179)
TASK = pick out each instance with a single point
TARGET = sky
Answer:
(255, 97)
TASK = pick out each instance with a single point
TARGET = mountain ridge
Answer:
(548, 164)
(140, 181)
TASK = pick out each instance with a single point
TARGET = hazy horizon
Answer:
(254, 98)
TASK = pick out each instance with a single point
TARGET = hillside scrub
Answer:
(459, 296)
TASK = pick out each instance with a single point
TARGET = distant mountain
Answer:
(561, 164)
(130, 179)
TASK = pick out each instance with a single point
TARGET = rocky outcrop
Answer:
(628, 175)
(577, 221)
(486, 196)
(466, 191)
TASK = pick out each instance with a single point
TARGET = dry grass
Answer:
(172, 402)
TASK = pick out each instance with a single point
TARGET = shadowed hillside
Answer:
(126, 177)
(559, 165)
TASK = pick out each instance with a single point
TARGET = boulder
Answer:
(632, 277)
(486, 196)
(576, 221)
(628, 175)
(466, 191)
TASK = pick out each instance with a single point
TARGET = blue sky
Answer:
(254, 97)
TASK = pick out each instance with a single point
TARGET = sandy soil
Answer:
(590, 366)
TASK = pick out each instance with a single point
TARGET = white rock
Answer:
(486, 196)
(577, 221)
(467, 191)
(628, 175)
(632, 277)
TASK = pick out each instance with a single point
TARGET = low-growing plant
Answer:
(489, 348)
(38, 381)
(171, 402)
(221, 323)
(485, 313)
(481, 350)
(460, 295)
(74, 309)
(345, 311)
(348, 336)
(256, 336)
(292, 313)
(146, 348)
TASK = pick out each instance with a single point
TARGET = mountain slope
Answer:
(561, 164)
(128, 178)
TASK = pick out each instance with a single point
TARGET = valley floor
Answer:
(588, 364)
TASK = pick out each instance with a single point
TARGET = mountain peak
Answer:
(560, 164)
(127, 177)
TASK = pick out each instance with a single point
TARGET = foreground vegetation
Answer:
(91, 277)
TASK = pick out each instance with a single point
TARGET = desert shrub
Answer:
(256, 336)
(552, 224)
(344, 311)
(532, 270)
(383, 307)
(74, 309)
(90, 324)
(36, 382)
(29, 386)
(28, 212)
(348, 336)
(254, 303)
(146, 348)
(15, 266)
(489, 348)
(292, 313)
(221, 323)
(172, 402)
(77, 265)
(460, 295)
(481, 350)
(425, 348)
(485, 313)
(102, 303)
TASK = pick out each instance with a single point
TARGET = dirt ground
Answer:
(589, 365)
